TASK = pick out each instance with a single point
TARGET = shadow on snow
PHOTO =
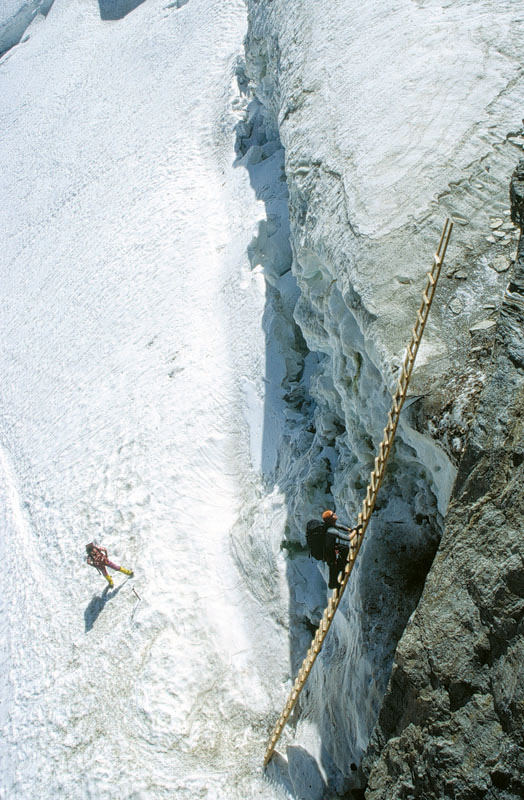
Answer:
(97, 605)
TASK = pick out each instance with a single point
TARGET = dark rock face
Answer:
(452, 721)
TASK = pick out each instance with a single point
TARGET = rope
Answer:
(375, 481)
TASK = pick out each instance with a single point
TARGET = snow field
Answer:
(123, 415)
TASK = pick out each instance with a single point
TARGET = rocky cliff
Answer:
(452, 720)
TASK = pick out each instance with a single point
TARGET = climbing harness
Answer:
(375, 481)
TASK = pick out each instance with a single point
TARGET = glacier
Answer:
(217, 219)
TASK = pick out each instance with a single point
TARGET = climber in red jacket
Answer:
(97, 557)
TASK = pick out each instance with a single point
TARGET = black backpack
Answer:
(321, 544)
(315, 532)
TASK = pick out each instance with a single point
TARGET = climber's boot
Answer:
(127, 571)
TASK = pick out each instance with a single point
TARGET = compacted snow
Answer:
(132, 363)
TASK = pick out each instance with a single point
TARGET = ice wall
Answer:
(391, 118)
(16, 16)
(328, 435)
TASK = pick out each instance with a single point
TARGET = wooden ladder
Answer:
(375, 481)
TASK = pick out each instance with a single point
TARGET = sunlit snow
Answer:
(132, 327)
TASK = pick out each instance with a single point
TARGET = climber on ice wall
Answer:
(97, 557)
(326, 545)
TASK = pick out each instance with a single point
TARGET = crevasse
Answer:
(336, 393)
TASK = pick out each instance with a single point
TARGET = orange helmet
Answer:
(329, 516)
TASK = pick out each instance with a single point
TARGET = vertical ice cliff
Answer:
(390, 118)
(16, 16)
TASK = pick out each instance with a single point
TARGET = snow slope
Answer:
(132, 326)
